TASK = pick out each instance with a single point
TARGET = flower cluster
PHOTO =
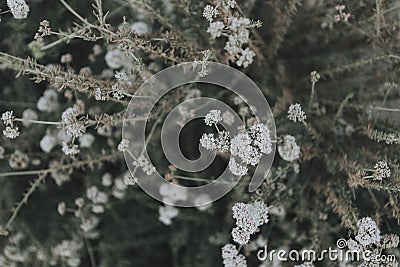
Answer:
(73, 127)
(247, 146)
(314, 76)
(369, 238)
(167, 213)
(144, 164)
(248, 218)
(232, 26)
(289, 150)
(203, 72)
(341, 15)
(231, 257)
(296, 114)
(382, 170)
(11, 130)
(368, 232)
(44, 30)
(18, 8)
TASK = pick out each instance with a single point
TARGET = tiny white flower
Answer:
(289, 150)
(213, 117)
(382, 170)
(215, 29)
(210, 12)
(295, 113)
(123, 145)
(61, 208)
(18, 8)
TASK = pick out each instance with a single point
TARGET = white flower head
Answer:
(231, 257)
(47, 143)
(215, 29)
(167, 213)
(289, 150)
(246, 58)
(261, 137)
(140, 28)
(248, 218)
(7, 118)
(208, 141)
(123, 145)
(29, 114)
(210, 12)
(61, 208)
(382, 170)
(70, 150)
(213, 117)
(11, 133)
(296, 114)
(236, 168)
(18, 8)
(368, 232)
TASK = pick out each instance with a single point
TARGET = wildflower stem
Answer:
(24, 200)
(387, 109)
(39, 122)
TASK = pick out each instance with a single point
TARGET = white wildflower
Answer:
(49, 101)
(29, 114)
(261, 137)
(61, 208)
(248, 218)
(18, 8)
(86, 140)
(236, 168)
(98, 95)
(128, 179)
(382, 170)
(97, 209)
(119, 189)
(121, 76)
(143, 163)
(242, 148)
(115, 59)
(232, 258)
(210, 12)
(368, 232)
(228, 118)
(289, 150)
(208, 141)
(123, 145)
(172, 194)
(7, 118)
(200, 199)
(106, 180)
(314, 76)
(47, 143)
(213, 117)
(140, 28)
(246, 58)
(70, 150)
(167, 213)
(389, 241)
(11, 133)
(231, 3)
(223, 141)
(215, 29)
(73, 126)
(295, 113)
(117, 93)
